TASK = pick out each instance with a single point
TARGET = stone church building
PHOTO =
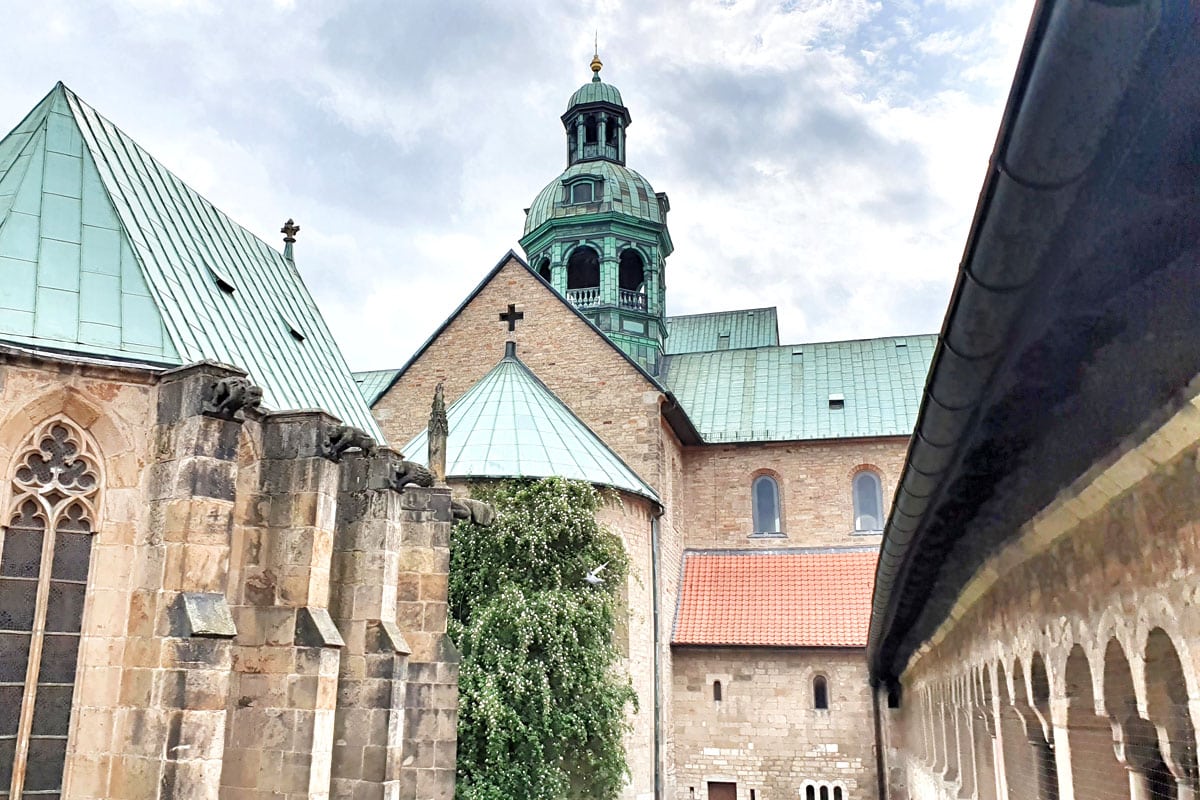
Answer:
(750, 478)
(916, 568)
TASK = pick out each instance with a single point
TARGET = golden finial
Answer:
(596, 62)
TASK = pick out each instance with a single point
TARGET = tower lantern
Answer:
(598, 232)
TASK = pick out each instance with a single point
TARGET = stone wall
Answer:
(816, 505)
(209, 664)
(1069, 666)
(764, 733)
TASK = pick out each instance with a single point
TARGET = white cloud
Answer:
(818, 154)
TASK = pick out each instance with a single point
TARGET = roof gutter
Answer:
(1076, 65)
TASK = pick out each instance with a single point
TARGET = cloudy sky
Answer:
(820, 155)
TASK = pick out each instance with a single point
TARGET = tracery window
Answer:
(45, 550)
(765, 500)
(868, 502)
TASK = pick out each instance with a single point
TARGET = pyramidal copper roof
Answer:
(105, 253)
(776, 598)
(510, 425)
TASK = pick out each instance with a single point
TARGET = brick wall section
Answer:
(629, 517)
(764, 734)
(816, 506)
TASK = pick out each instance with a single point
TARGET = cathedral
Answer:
(959, 566)
(750, 477)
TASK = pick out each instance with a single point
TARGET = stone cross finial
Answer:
(439, 430)
(289, 231)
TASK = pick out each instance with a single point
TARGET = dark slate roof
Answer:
(748, 327)
(790, 392)
(106, 253)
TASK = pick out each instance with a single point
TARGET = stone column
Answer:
(368, 725)
(431, 700)
(177, 656)
(285, 661)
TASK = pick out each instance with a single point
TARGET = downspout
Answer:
(880, 761)
(654, 558)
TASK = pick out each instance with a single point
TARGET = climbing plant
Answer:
(542, 700)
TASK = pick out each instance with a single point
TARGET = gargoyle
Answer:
(476, 511)
(341, 438)
(228, 396)
(405, 473)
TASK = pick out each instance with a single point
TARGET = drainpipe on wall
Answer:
(654, 530)
(880, 758)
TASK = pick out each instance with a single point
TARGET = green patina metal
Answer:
(722, 330)
(510, 425)
(830, 390)
(373, 383)
(595, 91)
(106, 253)
(598, 204)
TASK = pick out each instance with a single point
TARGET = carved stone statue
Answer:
(228, 396)
(407, 473)
(439, 430)
(476, 511)
(341, 438)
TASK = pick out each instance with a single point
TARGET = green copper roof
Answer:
(722, 330)
(830, 390)
(622, 191)
(104, 252)
(373, 383)
(510, 425)
(595, 91)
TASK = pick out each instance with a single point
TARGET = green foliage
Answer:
(542, 703)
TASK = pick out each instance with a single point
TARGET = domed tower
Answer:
(598, 232)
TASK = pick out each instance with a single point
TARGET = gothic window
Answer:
(820, 693)
(868, 502)
(45, 549)
(765, 499)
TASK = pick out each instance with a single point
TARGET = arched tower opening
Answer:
(583, 269)
(543, 269)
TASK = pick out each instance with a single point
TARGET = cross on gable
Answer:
(512, 316)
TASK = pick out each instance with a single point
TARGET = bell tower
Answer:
(598, 232)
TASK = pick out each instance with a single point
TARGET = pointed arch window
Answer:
(765, 500)
(45, 551)
(868, 502)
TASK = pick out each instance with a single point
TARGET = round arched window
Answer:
(868, 502)
(765, 499)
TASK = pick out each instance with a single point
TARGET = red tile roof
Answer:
(791, 598)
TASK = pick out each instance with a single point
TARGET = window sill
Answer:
(767, 536)
(866, 533)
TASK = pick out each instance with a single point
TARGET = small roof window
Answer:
(837, 400)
